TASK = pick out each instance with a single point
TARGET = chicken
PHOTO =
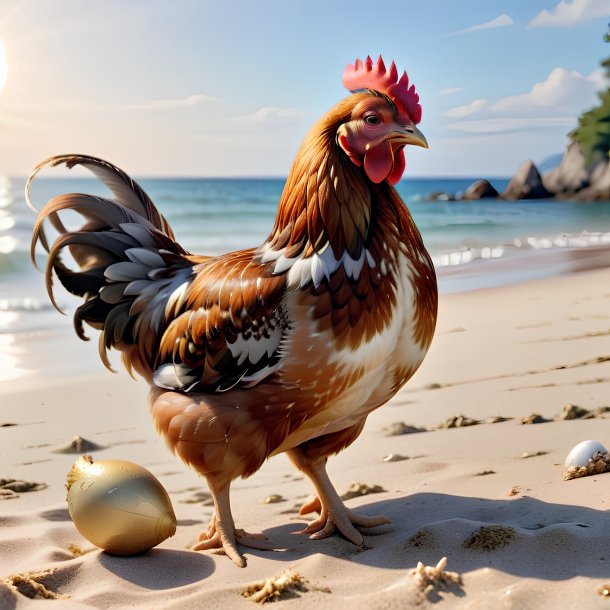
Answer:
(282, 348)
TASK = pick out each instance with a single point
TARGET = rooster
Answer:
(282, 348)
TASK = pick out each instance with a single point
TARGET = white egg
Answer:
(119, 506)
(583, 452)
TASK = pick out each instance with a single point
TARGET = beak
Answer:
(413, 136)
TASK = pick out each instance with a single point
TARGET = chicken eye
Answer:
(372, 119)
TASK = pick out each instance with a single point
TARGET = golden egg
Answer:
(119, 506)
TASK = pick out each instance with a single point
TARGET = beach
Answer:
(210, 196)
(476, 485)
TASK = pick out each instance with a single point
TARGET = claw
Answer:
(226, 543)
(232, 553)
(364, 521)
(254, 541)
(314, 526)
(243, 534)
(311, 505)
(344, 520)
(206, 544)
(333, 513)
(222, 534)
(325, 532)
(215, 538)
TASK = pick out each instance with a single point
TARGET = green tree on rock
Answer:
(593, 131)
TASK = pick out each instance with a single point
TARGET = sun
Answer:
(3, 66)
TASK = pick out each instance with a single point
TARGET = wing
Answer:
(228, 331)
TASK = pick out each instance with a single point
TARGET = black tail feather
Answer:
(128, 262)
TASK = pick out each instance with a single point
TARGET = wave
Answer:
(17, 262)
(463, 256)
(28, 304)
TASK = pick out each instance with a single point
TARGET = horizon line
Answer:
(253, 177)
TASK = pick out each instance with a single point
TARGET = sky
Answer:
(209, 88)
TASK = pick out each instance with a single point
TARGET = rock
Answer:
(534, 419)
(356, 490)
(526, 184)
(459, 421)
(574, 180)
(599, 187)
(600, 173)
(530, 454)
(394, 457)
(273, 499)
(571, 175)
(399, 428)
(440, 196)
(18, 486)
(433, 386)
(481, 189)
(497, 419)
(199, 497)
(571, 179)
(78, 444)
(574, 412)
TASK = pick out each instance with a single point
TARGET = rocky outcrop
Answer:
(571, 175)
(441, 196)
(599, 187)
(481, 189)
(526, 184)
(572, 179)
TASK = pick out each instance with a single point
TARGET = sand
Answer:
(515, 534)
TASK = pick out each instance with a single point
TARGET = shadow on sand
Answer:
(160, 569)
(558, 541)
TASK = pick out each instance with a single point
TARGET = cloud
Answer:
(555, 101)
(509, 124)
(270, 114)
(570, 13)
(450, 90)
(191, 101)
(467, 109)
(498, 22)
(562, 90)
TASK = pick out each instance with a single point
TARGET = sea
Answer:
(476, 244)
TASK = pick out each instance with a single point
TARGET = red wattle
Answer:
(399, 166)
(378, 162)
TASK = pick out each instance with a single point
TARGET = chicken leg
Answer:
(333, 513)
(221, 532)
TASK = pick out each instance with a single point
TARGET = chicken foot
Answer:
(334, 515)
(222, 534)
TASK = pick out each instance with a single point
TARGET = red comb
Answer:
(366, 75)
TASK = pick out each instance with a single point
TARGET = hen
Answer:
(283, 348)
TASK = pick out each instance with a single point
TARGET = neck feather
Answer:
(326, 200)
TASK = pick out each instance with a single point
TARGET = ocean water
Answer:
(473, 244)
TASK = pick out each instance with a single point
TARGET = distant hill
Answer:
(550, 163)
